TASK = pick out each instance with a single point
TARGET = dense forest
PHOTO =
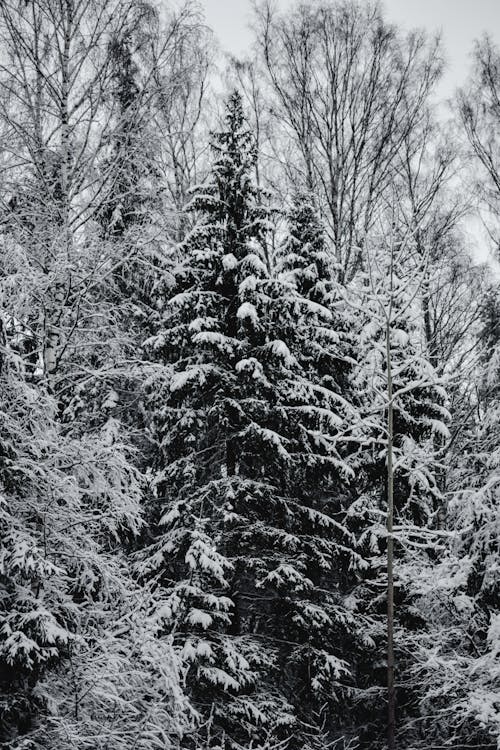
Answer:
(249, 383)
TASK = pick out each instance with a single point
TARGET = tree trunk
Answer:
(391, 695)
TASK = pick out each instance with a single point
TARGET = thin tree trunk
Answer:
(391, 695)
(55, 310)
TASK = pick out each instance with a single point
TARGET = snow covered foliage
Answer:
(249, 418)
(82, 660)
(386, 335)
(251, 470)
(458, 656)
(304, 256)
(73, 652)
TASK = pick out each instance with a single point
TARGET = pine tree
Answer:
(232, 515)
(249, 471)
(304, 253)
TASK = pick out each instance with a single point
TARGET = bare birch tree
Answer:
(479, 111)
(348, 90)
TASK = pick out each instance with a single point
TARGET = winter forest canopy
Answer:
(249, 383)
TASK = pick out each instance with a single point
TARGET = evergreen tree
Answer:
(249, 473)
(304, 253)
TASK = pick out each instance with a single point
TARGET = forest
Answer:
(249, 382)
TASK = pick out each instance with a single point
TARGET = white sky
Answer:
(461, 21)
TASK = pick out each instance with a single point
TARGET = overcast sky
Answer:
(461, 21)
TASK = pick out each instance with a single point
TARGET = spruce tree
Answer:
(249, 472)
(304, 253)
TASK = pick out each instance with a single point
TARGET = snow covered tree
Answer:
(305, 252)
(77, 634)
(80, 660)
(395, 496)
(75, 111)
(250, 472)
(232, 516)
(457, 664)
(53, 76)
